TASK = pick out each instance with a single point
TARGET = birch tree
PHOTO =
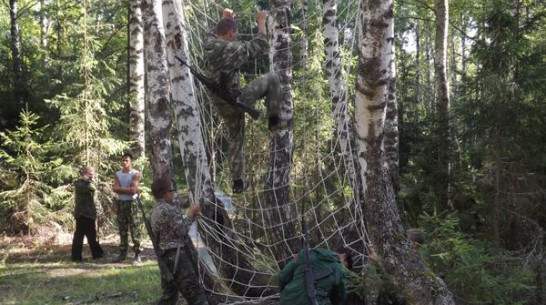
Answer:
(157, 78)
(136, 80)
(336, 84)
(375, 87)
(282, 143)
(442, 105)
(343, 129)
(239, 273)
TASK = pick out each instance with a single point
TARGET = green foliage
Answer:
(474, 271)
(24, 170)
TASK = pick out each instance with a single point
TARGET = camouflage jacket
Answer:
(85, 199)
(224, 58)
(169, 225)
(329, 288)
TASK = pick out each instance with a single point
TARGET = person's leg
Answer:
(77, 241)
(123, 215)
(268, 86)
(91, 234)
(170, 288)
(235, 124)
(134, 227)
(188, 282)
(170, 292)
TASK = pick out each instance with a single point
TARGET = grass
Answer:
(45, 275)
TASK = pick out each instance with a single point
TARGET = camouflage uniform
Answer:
(128, 221)
(171, 229)
(127, 214)
(222, 62)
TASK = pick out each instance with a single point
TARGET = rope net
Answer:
(257, 246)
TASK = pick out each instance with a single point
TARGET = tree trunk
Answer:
(374, 90)
(17, 61)
(241, 276)
(136, 80)
(157, 81)
(277, 179)
(44, 26)
(391, 139)
(344, 133)
(443, 134)
(418, 98)
(337, 88)
(428, 76)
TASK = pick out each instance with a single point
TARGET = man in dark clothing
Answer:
(329, 275)
(85, 213)
(224, 55)
(171, 230)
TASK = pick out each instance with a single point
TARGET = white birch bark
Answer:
(282, 143)
(337, 87)
(136, 80)
(190, 137)
(158, 89)
(44, 23)
(374, 91)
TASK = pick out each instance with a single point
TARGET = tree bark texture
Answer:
(337, 88)
(192, 147)
(157, 81)
(280, 217)
(136, 80)
(442, 106)
(374, 90)
(344, 129)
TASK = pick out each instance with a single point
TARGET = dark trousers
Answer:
(185, 280)
(85, 227)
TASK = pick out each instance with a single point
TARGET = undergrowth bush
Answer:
(475, 271)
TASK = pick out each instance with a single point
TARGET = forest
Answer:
(427, 115)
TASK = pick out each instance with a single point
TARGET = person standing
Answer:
(223, 56)
(172, 231)
(126, 183)
(85, 213)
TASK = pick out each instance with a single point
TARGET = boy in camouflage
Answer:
(171, 230)
(224, 55)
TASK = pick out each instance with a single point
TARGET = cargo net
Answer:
(243, 248)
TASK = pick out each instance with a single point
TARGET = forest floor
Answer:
(38, 270)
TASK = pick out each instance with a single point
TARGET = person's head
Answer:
(87, 172)
(126, 160)
(162, 189)
(346, 257)
(226, 29)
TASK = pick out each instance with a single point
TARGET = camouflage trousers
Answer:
(185, 280)
(268, 86)
(128, 220)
